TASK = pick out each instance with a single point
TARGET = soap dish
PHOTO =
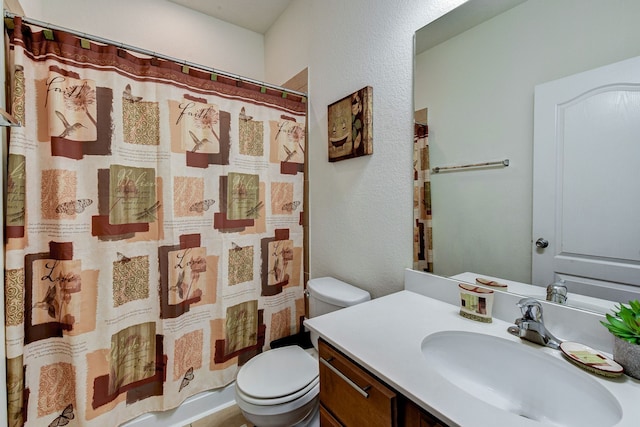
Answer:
(492, 283)
(590, 359)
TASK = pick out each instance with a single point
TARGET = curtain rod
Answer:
(98, 39)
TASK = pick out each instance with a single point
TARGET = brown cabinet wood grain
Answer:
(414, 416)
(326, 419)
(352, 397)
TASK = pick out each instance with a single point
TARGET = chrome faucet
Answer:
(531, 326)
(557, 292)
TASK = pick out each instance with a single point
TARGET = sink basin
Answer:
(520, 379)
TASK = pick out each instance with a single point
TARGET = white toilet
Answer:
(279, 388)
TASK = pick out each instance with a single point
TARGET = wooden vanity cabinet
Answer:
(327, 420)
(414, 416)
(352, 397)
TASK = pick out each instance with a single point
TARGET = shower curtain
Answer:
(154, 229)
(422, 228)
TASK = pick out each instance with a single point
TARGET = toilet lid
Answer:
(278, 372)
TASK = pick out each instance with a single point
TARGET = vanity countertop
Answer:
(385, 334)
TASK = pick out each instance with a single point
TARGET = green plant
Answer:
(625, 322)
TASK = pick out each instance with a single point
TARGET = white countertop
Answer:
(385, 336)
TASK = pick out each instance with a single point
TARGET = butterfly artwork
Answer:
(201, 206)
(291, 206)
(148, 212)
(198, 143)
(64, 418)
(126, 94)
(68, 128)
(254, 212)
(73, 207)
(188, 377)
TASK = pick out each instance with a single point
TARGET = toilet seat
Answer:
(278, 400)
(286, 414)
(277, 376)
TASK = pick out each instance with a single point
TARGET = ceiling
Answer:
(253, 15)
(459, 20)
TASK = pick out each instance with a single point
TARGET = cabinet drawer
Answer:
(351, 395)
(327, 420)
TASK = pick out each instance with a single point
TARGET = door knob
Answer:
(542, 243)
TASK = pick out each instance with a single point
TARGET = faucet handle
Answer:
(531, 309)
(557, 292)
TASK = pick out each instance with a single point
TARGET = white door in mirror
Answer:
(586, 174)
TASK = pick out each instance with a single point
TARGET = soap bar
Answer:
(590, 359)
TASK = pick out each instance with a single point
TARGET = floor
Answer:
(228, 417)
(232, 416)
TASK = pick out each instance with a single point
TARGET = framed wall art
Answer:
(351, 126)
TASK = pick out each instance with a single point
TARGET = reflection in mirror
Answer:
(477, 87)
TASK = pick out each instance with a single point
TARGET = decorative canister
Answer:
(476, 302)
(628, 355)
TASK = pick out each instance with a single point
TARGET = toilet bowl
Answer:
(279, 388)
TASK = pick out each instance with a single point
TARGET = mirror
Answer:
(477, 86)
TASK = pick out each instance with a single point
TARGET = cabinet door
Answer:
(416, 417)
(327, 420)
(351, 395)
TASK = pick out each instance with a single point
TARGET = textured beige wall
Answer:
(361, 209)
(159, 26)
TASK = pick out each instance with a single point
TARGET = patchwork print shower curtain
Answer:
(154, 229)
(422, 228)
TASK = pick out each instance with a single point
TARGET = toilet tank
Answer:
(327, 294)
